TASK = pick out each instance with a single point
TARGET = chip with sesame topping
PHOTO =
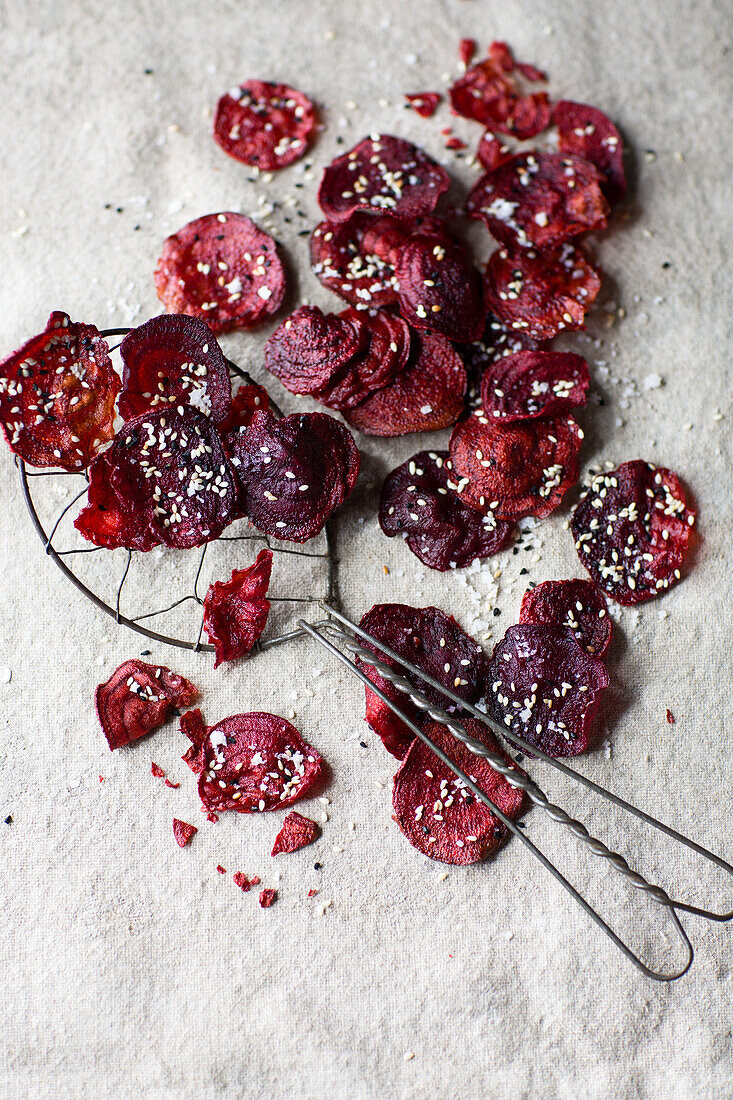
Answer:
(544, 687)
(235, 611)
(576, 605)
(492, 151)
(138, 698)
(534, 383)
(489, 93)
(310, 347)
(256, 762)
(343, 260)
(245, 402)
(384, 355)
(424, 104)
(632, 527)
(589, 133)
(183, 832)
(57, 395)
(223, 269)
(437, 811)
(296, 832)
(439, 288)
(266, 125)
(496, 341)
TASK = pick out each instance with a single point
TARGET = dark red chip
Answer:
(294, 472)
(632, 527)
(439, 288)
(383, 354)
(541, 294)
(418, 498)
(309, 348)
(246, 401)
(223, 269)
(534, 383)
(575, 605)
(424, 104)
(427, 395)
(382, 175)
(539, 199)
(267, 125)
(235, 611)
(268, 898)
(296, 832)
(589, 133)
(515, 470)
(256, 762)
(435, 643)
(385, 237)
(193, 726)
(544, 687)
(57, 395)
(342, 259)
(495, 341)
(489, 94)
(183, 832)
(492, 151)
(438, 813)
(138, 698)
(174, 361)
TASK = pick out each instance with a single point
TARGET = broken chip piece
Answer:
(138, 698)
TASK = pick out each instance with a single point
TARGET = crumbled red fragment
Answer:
(454, 143)
(183, 832)
(220, 869)
(235, 611)
(312, 893)
(241, 880)
(466, 50)
(489, 93)
(342, 259)
(267, 125)
(296, 832)
(156, 770)
(170, 783)
(192, 725)
(670, 717)
(424, 104)
(492, 151)
(439, 288)
(248, 399)
(534, 383)
(589, 133)
(576, 605)
(211, 816)
(138, 698)
(267, 898)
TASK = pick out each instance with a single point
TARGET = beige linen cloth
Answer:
(131, 968)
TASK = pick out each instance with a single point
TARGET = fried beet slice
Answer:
(310, 347)
(192, 725)
(435, 809)
(235, 611)
(631, 527)
(138, 698)
(418, 498)
(576, 605)
(544, 687)
(174, 360)
(183, 832)
(246, 401)
(387, 236)
(534, 383)
(424, 104)
(434, 642)
(383, 355)
(541, 293)
(170, 479)
(515, 470)
(57, 395)
(495, 342)
(382, 175)
(223, 269)
(296, 832)
(539, 199)
(268, 125)
(342, 260)
(492, 151)
(427, 395)
(294, 472)
(439, 288)
(255, 762)
(489, 94)
(588, 133)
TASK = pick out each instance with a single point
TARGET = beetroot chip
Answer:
(193, 726)
(387, 236)
(183, 832)
(309, 348)
(267, 125)
(534, 383)
(138, 698)
(223, 269)
(427, 395)
(294, 472)
(632, 527)
(382, 175)
(235, 611)
(383, 355)
(576, 605)
(492, 151)
(424, 103)
(495, 342)
(296, 832)
(268, 898)
(439, 288)
(419, 499)
(589, 133)
(57, 395)
(539, 199)
(541, 293)
(489, 93)
(255, 762)
(515, 470)
(248, 399)
(174, 361)
(545, 688)
(343, 261)
(435, 809)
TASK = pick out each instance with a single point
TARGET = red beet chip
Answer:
(515, 470)
(57, 395)
(433, 641)
(268, 898)
(544, 687)
(539, 199)
(138, 698)
(427, 395)
(248, 399)
(310, 347)
(235, 611)
(495, 341)
(342, 259)
(424, 103)
(383, 355)
(387, 236)
(296, 832)
(492, 151)
(576, 605)
(166, 478)
(435, 809)
(589, 133)
(268, 125)
(223, 269)
(193, 726)
(183, 832)
(488, 93)
(255, 762)
(541, 293)
(382, 175)
(294, 472)
(631, 529)
(534, 383)
(439, 288)
(418, 498)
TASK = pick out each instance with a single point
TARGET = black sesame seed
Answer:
(317, 866)
(497, 611)
(9, 819)
(523, 571)
(145, 652)
(364, 744)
